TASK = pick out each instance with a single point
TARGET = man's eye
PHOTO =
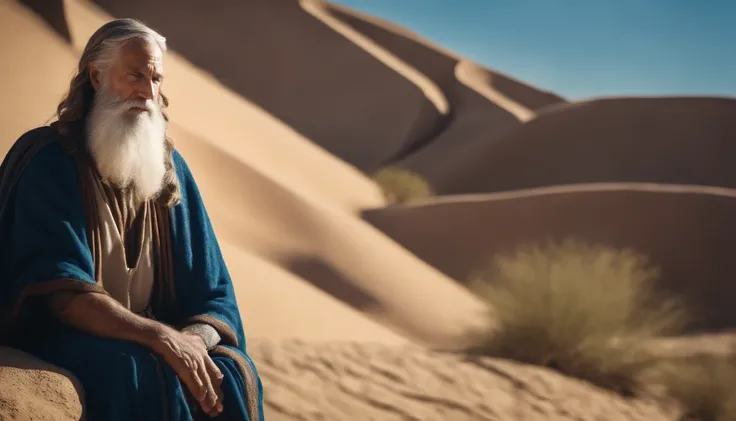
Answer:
(134, 77)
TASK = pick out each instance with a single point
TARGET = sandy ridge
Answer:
(433, 92)
(531, 97)
(672, 140)
(694, 257)
(472, 76)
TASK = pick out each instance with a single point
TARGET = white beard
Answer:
(128, 147)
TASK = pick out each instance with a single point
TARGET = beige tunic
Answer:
(126, 255)
(128, 270)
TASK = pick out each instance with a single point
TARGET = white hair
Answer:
(114, 35)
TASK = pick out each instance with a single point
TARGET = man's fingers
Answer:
(194, 382)
(210, 399)
(216, 376)
(218, 404)
(214, 371)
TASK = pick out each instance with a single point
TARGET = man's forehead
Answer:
(140, 54)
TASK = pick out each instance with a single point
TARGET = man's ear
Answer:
(94, 76)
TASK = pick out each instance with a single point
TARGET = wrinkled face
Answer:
(136, 73)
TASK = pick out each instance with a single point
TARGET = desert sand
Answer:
(347, 301)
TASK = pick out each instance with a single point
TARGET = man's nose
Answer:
(147, 90)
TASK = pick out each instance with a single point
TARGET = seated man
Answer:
(110, 266)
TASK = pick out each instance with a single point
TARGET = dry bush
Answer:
(402, 186)
(583, 310)
(705, 387)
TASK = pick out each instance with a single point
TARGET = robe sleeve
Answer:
(47, 245)
(204, 289)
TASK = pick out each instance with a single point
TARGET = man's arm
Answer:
(101, 315)
(117, 322)
(186, 353)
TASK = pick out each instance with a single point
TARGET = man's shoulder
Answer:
(37, 152)
(40, 132)
(38, 136)
(35, 139)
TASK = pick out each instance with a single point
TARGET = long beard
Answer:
(128, 147)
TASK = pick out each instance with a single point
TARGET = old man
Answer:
(110, 266)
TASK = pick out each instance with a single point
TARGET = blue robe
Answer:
(47, 239)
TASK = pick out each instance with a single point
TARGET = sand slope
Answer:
(362, 382)
(393, 36)
(688, 231)
(681, 140)
(480, 151)
(472, 111)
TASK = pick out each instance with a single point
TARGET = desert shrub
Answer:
(705, 387)
(585, 310)
(401, 185)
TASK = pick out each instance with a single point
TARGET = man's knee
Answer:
(125, 361)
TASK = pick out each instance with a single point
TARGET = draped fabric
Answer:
(50, 241)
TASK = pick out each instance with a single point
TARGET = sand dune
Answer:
(485, 104)
(687, 140)
(386, 32)
(589, 141)
(688, 231)
(472, 112)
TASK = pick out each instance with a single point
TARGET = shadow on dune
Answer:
(433, 61)
(52, 12)
(471, 112)
(295, 67)
(262, 215)
(323, 276)
(688, 232)
(659, 140)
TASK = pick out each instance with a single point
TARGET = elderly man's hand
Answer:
(187, 355)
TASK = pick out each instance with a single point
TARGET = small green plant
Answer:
(584, 310)
(705, 387)
(401, 185)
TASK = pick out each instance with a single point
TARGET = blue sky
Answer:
(585, 48)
